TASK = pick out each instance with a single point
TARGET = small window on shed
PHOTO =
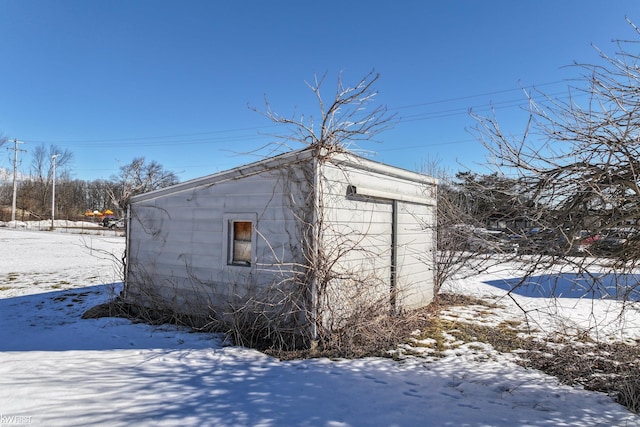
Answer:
(240, 243)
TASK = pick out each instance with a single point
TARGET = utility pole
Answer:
(53, 191)
(15, 176)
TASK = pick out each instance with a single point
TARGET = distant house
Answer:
(308, 237)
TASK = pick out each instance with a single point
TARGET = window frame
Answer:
(230, 240)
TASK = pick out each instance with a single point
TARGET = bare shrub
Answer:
(629, 393)
(275, 319)
(577, 161)
(318, 284)
(351, 310)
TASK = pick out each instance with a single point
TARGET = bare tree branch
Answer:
(349, 118)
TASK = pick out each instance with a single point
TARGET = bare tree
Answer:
(360, 320)
(350, 117)
(41, 174)
(138, 177)
(96, 195)
(579, 158)
(41, 162)
(578, 162)
(326, 282)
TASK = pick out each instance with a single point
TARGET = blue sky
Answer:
(172, 80)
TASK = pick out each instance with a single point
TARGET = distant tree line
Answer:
(73, 197)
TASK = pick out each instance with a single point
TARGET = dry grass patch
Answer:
(612, 368)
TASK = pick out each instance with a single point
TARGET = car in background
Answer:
(611, 242)
(489, 241)
(112, 223)
(543, 241)
(108, 220)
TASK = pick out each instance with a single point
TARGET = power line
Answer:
(233, 135)
(187, 138)
(462, 98)
(435, 144)
(145, 138)
(465, 110)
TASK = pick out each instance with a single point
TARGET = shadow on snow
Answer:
(192, 380)
(622, 287)
(52, 321)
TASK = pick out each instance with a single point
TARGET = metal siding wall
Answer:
(177, 239)
(358, 232)
(415, 246)
(368, 224)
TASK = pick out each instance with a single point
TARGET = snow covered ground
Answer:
(57, 369)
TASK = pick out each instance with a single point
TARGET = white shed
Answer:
(304, 238)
